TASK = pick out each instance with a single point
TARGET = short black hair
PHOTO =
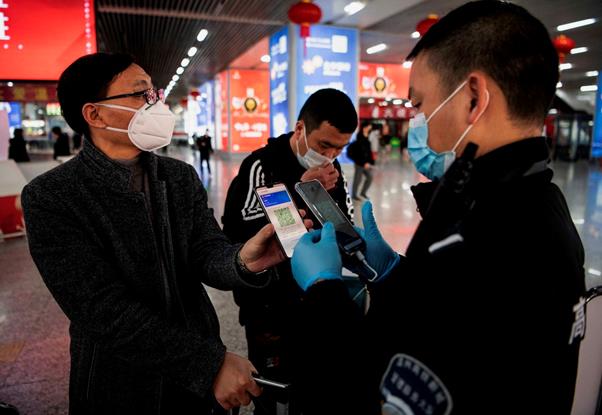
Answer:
(504, 41)
(57, 130)
(329, 105)
(87, 80)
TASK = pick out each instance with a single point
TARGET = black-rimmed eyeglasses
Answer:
(151, 95)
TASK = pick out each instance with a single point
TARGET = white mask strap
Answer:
(447, 100)
(119, 107)
(471, 125)
(121, 130)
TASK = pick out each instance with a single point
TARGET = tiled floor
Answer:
(34, 333)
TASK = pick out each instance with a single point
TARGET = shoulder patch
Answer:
(409, 387)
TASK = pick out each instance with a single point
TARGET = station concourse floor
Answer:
(34, 341)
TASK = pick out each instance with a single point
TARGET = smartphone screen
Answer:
(326, 210)
(283, 214)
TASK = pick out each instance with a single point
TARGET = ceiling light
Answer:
(574, 25)
(370, 100)
(175, 78)
(565, 66)
(202, 35)
(398, 101)
(407, 64)
(192, 51)
(559, 85)
(376, 48)
(575, 51)
(185, 62)
(10, 84)
(265, 58)
(591, 73)
(588, 88)
(180, 70)
(354, 7)
(415, 35)
(408, 104)
(553, 111)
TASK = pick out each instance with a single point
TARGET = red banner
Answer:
(28, 93)
(39, 39)
(249, 109)
(383, 80)
(222, 108)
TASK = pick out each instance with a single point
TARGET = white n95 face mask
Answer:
(312, 158)
(150, 128)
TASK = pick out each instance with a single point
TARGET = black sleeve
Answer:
(340, 194)
(243, 216)
(331, 368)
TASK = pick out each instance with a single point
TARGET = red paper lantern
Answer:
(424, 25)
(195, 94)
(563, 45)
(305, 13)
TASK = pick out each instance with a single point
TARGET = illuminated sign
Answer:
(329, 59)
(249, 109)
(383, 80)
(279, 55)
(597, 137)
(39, 39)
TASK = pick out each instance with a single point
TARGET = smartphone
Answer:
(325, 210)
(281, 211)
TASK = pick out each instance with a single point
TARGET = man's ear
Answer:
(479, 96)
(92, 116)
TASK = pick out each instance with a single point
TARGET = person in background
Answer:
(17, 147)
(360, 152)
(385, 143)
(61, 143)
(374, 138)
(309, 152)
(484, 312)
(205, 148)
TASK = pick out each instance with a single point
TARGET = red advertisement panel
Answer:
(40, 38)
(376, 111)
(383, 80)
(28, 93)
(249, 109)
(222, 108)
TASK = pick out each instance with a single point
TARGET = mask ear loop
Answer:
(453, 94)
(471, 125)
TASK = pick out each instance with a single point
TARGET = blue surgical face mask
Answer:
(427, 161)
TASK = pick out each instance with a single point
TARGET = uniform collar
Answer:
(502, 165)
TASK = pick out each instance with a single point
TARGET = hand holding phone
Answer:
(281, 211)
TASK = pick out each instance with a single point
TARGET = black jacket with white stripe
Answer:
(243, 218)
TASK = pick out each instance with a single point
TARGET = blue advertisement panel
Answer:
(205, 116)
(329, 59)
(597, 138)
(279, 62)
(14, 113)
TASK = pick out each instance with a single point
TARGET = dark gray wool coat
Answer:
(137, 328)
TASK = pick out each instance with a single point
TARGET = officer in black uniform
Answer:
(478, 316)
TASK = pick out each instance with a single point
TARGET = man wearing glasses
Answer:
(124, 240)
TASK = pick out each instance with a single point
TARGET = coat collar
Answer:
(497, 167)
(109, 172)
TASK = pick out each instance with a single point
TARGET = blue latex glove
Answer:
(316, 257)
(379, 253)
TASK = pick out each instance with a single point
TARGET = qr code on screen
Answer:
(284, 217)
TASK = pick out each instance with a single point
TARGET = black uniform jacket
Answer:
(476, 318)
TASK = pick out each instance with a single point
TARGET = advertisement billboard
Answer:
(383, 80)
(249, 109)
(597, 137)
(279, 78)
(39, 39)
(326, 59)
